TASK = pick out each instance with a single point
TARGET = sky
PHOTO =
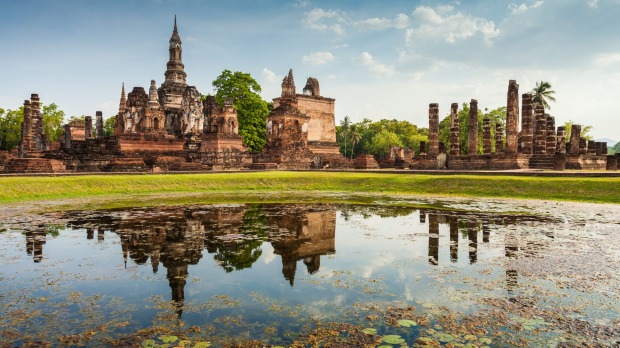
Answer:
(378, 59)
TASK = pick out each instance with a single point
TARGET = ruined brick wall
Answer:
(488, 162)
(322, 123)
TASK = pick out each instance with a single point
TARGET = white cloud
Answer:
(592, 3)
(401, 21)
(302, 3)
(323, 20)
(318, 58)
(375, 67)
(519, 9)
(189, 38)
(606, 59)
(269, 76)
(451, 27)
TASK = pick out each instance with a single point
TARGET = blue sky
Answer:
(378, 59)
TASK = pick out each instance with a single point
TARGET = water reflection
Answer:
(234, 235)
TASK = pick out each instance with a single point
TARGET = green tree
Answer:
(585, 130)
(615, 149)
(53, 119)
(10, 128)
(355, 136)
(344, 132)
(544, 92)
(497, 116)
(381, 142)
(252, 110)
(108, 126)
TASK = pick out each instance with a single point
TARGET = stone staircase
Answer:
(34, 165)
(542, 162)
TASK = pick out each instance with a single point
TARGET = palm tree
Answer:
(355, 136)
(543, 92)
(344, 130)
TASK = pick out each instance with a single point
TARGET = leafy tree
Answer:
(108, 126)
(10, 128)
(585, 130)
(615, 149)
(381, 142)
(252, 110)
(53, 119)
(544, 92)
(497, 116)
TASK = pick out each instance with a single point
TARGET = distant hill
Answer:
(610, 143)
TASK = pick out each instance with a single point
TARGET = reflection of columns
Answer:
(486, 232)
(100, 234)
(454, 239)
(177, 275)
(422, 216)
(511, 280)
(313, 263)
(90, 233)
(472, 234)
(34, 245)
(433, 239)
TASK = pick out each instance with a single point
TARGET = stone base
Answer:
(217, 142)
(589, 162)
(149, 143)
(366, 162)
(34, 165)
(126, 165)
(5, 156)
(612, 162)
(489, 162)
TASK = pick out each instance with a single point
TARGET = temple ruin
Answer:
(538, 145)
(173, 128)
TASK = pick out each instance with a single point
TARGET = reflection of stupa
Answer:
(34, 245)
(311, 234)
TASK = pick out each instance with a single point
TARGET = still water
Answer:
(304, 275)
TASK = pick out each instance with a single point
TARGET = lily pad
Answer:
(369, 331)
(485, 340)
(168, 338)
(393, 339)
(148, 343)
(407, 323)
(202, 344)
(443, 337)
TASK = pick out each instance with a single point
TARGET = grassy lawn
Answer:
(236, 186)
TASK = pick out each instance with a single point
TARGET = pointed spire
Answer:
(153, 97)
(175, 38)
(288, 85)
(123, 104)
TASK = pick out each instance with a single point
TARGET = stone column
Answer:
(512, 118)
(540, 135)
(604, 148)
(433, 129)
(561, 140)
(67, 136)
(598, 148)
(455, 139)
(591, 149)
(612, 162)
(575, 135)
(99, 123)
(527, 126)
(88, 127)
(27, 127)
(583, 146)
(550, 130)
(486, 136)
(36, 123)
(472, 135)
(499, 138)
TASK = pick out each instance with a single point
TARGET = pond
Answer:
(462, 274)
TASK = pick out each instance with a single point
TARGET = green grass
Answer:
(300, 186)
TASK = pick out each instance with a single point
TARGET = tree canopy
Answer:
(252, 110)
(375, 138)
(497, 116)
(544, 92)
